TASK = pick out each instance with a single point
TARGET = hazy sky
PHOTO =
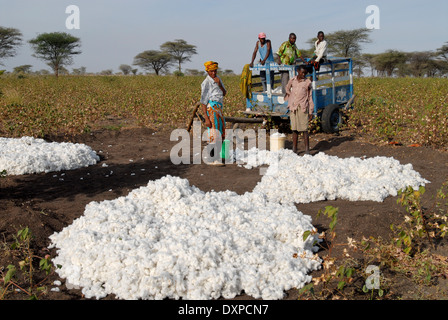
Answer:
(113, 32)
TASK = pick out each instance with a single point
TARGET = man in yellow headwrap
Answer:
(212, 96)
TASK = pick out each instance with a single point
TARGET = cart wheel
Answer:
(331, 119)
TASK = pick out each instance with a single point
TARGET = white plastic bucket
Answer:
(277, 142)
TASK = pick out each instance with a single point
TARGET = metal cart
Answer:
(332, 93)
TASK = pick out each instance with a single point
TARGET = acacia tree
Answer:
(57, 48)
(436, 68)
(180, 50)
(347, 43)
(10, 39)
(443, 52)
(420, 63)
(26, 68)
(369, 59)
(126, 69)
(153, 60)
(80, 71)
(389, 61)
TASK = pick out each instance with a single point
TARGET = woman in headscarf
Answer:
(212, 96)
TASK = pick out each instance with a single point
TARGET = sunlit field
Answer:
(403, 110)
(47, 105)
(407, 110)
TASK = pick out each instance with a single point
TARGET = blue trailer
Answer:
(332, 93)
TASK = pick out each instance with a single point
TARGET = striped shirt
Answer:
(299, 95)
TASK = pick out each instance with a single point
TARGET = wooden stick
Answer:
(195, 109)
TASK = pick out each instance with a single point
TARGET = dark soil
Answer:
(46, 203)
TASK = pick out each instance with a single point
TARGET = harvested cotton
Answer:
(304, 179)
(254, 157)
(171, 240)
(28, 155)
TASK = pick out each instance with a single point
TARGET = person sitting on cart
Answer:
(320, 52)
(212, 96)
(301, 107)
(264, 48)
(288, 53)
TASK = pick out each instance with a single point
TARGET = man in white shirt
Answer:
(320, 52)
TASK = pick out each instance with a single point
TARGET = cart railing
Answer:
(341, 69)
(268, 67)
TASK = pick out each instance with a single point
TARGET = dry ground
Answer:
(47, 203)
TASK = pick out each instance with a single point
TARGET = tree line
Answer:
(348, 43)
(58, 48)
(402, 64)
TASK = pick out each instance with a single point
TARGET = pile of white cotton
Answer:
(171, 240)
(305, 179)
(29, 155)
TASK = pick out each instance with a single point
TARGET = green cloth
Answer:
(246, 82)
(288, 53)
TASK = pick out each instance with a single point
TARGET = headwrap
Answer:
(211, 65)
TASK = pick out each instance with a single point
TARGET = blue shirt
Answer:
(262, 50)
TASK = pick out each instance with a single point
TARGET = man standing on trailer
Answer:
(264, 48)
(288, 54)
